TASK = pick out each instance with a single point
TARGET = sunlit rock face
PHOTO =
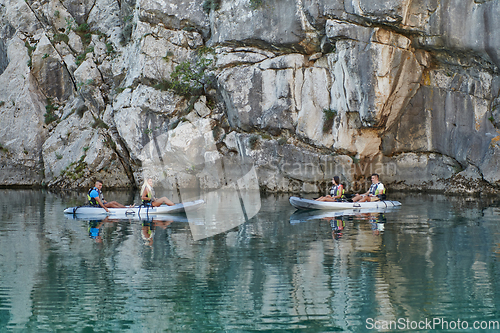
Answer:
(303, 89)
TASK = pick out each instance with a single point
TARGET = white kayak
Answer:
(178, 217)
(136, 210)
(307, 215)
(301, 203)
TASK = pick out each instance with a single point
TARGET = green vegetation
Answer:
(255, 4)
(209, 5)
(110, 143)
(253, 141)
(109, 48)
(60, 38)
(148, 131)
(2, 103)
(189, 78)
(30, 51)
(69, 24)
(173, 124)
(50, 115)
(83, 30)
(491, 119)
(3, 149)
(78, 169)
(45, 55)
(57, 14)
(99, 123)
(81, 164)
(282, 141)
(86, 83)
(328, 117)
(81, 57)
(168, 56)
(58, 156)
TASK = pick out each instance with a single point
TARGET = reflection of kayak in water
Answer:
(132, 211)
(301, 203)
(306, 215)
(180, 217)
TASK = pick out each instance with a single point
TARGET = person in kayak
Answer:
(148, 195)
(336, 192)
(95, 198)
(375, 193)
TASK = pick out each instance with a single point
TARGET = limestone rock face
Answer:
(21, 112)
(196, 93)
(76, 154)
(281, 23)
(375, 75)
(49, 70)
(79, 10)
(175, 15)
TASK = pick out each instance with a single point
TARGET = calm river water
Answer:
(431, 265)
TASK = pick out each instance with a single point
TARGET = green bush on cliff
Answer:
(83, 30)
(99, 123)
(30, 51)
(255, 4)
(328, 117)
(69, 24)
(253, 141)
(49, 115)
(81, 57)
(189, 78)
(210, 5)
(60, 38)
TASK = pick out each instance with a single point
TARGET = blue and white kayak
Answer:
(177, 217)
(301, 203)
(137, 210)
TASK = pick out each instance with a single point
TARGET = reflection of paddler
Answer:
(337, 225)
(377, 218)
(147, 232)
(95, 229)
(377, 221)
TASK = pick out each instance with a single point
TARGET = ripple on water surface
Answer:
(435, 257)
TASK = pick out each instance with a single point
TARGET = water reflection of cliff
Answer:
(433, 258)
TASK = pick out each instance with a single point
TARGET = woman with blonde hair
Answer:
(148, 195)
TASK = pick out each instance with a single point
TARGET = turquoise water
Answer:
(434, 261)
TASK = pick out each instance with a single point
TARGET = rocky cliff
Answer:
(300, 90)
